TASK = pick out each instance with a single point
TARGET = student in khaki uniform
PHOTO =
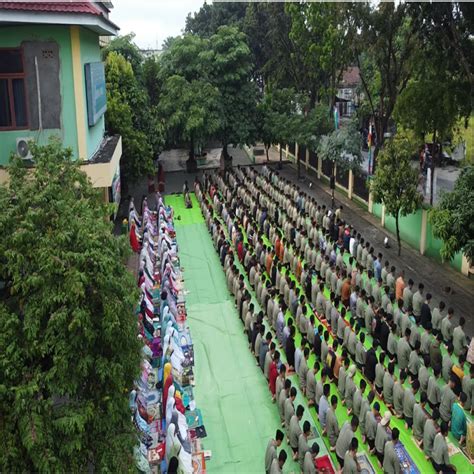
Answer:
(459, 338)
(351, 466)
(309, 458)
(381, 436)
(271, 451)
(303, 447)
(440, 455)
(391, 464)
(277, 464)
(295, 430)
(332, 425)
(419, 418)
(429, 433)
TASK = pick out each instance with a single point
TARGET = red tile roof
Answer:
(52, 7)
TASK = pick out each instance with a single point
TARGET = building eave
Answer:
(98, 24)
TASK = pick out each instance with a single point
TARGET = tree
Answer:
(129, 115)
(384, 51)
(191, 111)
(231, 74)
(453, 218)
(125, 46)
(395, 183)
(189, 102)
(210, 17)
(322, 46)
(67, 331)
(279, 118)
(343, 148)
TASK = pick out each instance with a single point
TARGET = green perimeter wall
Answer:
(410, 232)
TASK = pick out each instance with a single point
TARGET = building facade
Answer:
(52, 83)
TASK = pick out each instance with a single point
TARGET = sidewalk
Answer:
(435, 276)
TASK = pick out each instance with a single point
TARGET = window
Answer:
(13, 109)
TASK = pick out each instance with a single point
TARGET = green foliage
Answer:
(210, 17)
(453, 218)
(279, 116)
(342, 147)
(191, 110)
(395, 183)
(129, 114)
(322, 46)
(67, 332)
(231, 74)
(125, 46)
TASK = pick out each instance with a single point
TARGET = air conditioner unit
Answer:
(23, 148)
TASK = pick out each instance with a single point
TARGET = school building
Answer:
(52, 83)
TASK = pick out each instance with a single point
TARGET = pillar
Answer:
(320, 166)
(424, 222)
(287, 151)
(350, 186)
(307, 158)
(296, 152)
(371, 203)
(383, 215)
(465, 266)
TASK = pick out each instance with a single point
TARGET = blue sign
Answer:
(95, 92)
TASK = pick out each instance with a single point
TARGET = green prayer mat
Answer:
(230, 390)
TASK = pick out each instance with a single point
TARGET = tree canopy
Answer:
(67, 332)
(453, 217)
(395, 183)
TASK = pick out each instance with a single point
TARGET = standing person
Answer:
(289, 408)
(458, 419)
(440, 455)
(459, 338)
(303, 447)
(345, 438)
(419, 418)
(400, 285)
(447, 399)
(273, 374)
(351, 465)
(271, 452)
(391, 463)
(284, 394)
(381, 437)
(324, 405)
(277, 464)
(295, 430)
(332, 425)
(310, 458)
(429, 433)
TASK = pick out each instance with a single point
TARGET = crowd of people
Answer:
(313, 275)
(162, 397)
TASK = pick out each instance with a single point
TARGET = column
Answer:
(350, 186)
(424, 221)
(383, 215)
(78, 80)
(307, 159)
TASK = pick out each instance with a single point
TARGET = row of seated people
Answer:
(408, 417)
(159, 285)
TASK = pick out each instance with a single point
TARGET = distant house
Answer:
(52, 83)
(348, 92)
